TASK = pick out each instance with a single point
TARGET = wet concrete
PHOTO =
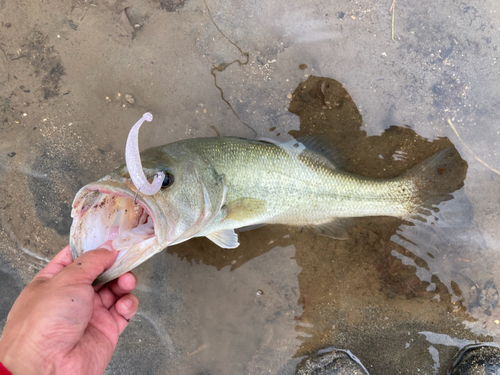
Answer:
(75, 76)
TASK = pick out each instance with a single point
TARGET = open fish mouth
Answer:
(107, 214)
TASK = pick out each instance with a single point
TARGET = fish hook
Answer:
(133, 162)
(135, 196)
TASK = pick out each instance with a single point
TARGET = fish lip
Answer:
(119, 189)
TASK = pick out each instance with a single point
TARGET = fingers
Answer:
(89, 265)
(123, 310)
(61, 260)
(114, 290)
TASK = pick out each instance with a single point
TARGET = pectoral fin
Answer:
(225, 238)
(245, 209)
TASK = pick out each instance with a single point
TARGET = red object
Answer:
(3, 370)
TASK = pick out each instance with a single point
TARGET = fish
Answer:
(214, 186)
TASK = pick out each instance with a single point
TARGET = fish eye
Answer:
(168, 180)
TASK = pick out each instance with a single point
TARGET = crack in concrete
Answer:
(225, 65)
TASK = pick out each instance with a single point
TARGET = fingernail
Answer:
(107, 245)
(127, 303)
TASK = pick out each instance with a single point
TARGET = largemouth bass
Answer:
(213, 186)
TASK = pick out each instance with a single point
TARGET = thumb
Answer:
(89, 265)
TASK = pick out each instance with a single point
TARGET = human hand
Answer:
(61, 324)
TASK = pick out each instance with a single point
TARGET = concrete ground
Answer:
(75, 75)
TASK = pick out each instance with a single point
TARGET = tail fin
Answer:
(435, 179)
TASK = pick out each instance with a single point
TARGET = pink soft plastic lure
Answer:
(133, 161)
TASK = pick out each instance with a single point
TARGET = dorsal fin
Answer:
(321, 147)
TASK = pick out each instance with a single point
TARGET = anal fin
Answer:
(337, 228)
(251, 227)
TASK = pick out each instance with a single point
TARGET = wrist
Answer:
(4, 370)
(20, 356)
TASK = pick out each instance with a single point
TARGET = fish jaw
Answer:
(104, 215)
